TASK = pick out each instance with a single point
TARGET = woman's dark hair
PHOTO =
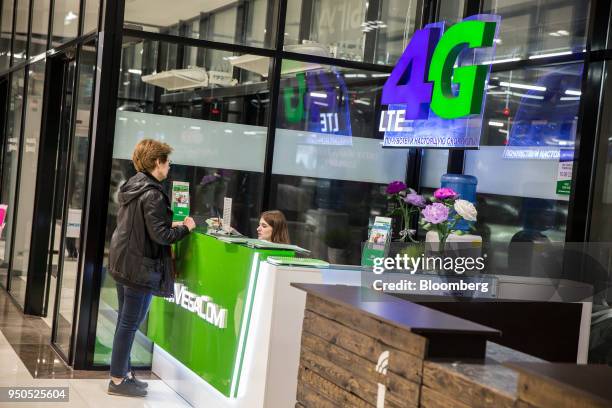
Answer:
(278, 222)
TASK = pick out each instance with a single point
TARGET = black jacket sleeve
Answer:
(158, 223)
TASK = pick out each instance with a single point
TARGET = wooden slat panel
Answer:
(435, 399)
(310, 399)
(523, 404)
(541, 393)
(330, 390)
(457, 387)
(364, 389)
(399, 338)
(359, 366)
(402, 364)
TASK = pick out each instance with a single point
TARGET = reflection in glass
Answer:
(203, 110)
(601, 231)
(533, 112)
(21, 31)
(530, 120)
(92, 14)
(504, 219)
(9, 173)
(560, 27)
(65, 21)
(75, 201)
(329, 171)
(6, 33)
(350, 29)
(215, 21)
(27, 180)
(40, 26)
(434, 163)
(451, 11)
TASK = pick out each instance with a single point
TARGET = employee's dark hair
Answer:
(146, 153)
(278, 222)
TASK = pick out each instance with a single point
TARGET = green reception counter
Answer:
(232, 326)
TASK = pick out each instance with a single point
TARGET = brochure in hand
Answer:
(180, 200)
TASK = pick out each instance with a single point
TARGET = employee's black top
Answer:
(140, 246)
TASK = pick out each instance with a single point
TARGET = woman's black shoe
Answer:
(127, 388)
(139, 383)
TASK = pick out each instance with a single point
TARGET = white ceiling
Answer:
(165, 13)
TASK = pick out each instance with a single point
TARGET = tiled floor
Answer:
(27, 359)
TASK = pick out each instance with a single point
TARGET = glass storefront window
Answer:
(6, 33)
(40, 26)
(531, 30)
(356, 30)
(92, 14)
(246, 22)
(21, 31)
(434, 163)
(330, 172)
(529, 124)
(600, 230)
(451, 11)
(601, 224)
(9, 172)
(27, 180)
(65, 21)
(75, 198)
(226, 105)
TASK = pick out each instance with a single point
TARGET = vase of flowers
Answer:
(406, 203)
(443, 214)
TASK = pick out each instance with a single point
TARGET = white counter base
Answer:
(272, 354)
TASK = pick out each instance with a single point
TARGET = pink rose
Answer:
(445, 193)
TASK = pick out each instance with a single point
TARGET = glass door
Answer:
(10, 162)
(69, 198)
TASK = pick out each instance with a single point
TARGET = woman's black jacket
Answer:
(139, 255)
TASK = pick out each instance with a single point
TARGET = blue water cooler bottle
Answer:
(465, 185)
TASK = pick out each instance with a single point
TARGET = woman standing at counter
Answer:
(139, 256)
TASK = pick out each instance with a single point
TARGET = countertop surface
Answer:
(492, 374)
(398, 312)
(593, 380)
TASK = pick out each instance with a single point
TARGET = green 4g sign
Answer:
(429, 75)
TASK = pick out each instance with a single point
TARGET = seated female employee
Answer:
(272, 227)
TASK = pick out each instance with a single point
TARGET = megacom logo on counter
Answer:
(202, 305)
(435, 93)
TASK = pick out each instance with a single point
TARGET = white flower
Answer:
(466, 210)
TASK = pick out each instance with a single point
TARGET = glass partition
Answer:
(27, 180)
(40, 26)
(65, 21)
(91, 15)
(330, 171)
(245, 22)
(203, 112)
(21, 31)
(531, 30)
(357, 30)
(12, 150)
(6, 33)
(529, 130)
(75, 199)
